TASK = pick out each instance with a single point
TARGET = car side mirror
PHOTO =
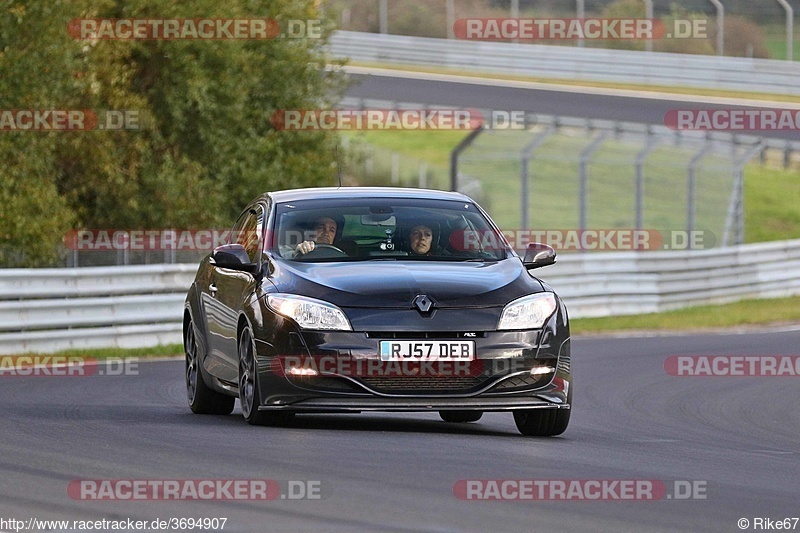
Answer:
(538, 255)
(233, 257)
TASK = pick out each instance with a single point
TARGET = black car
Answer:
(341, 300)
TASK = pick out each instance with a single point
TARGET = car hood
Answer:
(395, 284)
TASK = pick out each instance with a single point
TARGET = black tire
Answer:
(542, 422)
(249, 386)
(203, 400)
(461, 416)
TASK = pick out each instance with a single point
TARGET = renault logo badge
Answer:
(423, 303)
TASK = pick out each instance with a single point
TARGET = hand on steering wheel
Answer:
(307, 247)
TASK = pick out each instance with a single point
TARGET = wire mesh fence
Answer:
(581, 175)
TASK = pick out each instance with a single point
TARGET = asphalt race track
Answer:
(396, 472)
(549, 101)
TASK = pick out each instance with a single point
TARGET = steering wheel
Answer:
(326, 250)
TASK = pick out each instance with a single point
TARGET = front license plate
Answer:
(427, 350)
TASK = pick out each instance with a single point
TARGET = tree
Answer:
(207, 146)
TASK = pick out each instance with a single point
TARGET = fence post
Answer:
(650, 145)
(451, 18)
(789, 29)
(526, 160)
(395, 168)
(515, 13)
(463, 145)
(648, 14)
(738, 209)
(720, 26)
(584, 175)
(690, 188)
(384, 16)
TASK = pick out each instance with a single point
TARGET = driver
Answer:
(325, 229)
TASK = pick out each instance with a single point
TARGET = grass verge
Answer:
(706, 317)
(164, 350)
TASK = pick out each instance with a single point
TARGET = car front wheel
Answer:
(249, 386)
(202, 399)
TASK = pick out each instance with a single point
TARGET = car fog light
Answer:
(541, 370)
(303, 372)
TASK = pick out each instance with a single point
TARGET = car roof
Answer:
(362, 192)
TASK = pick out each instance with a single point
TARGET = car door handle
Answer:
(212, 289)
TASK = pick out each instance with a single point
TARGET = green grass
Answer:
(777, 48)
(771, 204)
(743, 313)
(164, 350)
(775, 41)
(433, 146)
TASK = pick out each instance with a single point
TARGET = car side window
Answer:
(247, 232)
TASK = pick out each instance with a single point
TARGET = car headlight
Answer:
(308, 312)
(528, 312)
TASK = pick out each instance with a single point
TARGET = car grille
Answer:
(518, 382)
(439, 335)
(331, 384)
(424, 384)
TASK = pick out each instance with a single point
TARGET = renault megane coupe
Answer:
(342, 300)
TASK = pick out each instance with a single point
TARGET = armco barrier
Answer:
(46, 310)
(136, 306)
(625, 283)
(572, 63)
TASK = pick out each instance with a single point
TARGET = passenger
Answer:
(420, 239)
(423, 241)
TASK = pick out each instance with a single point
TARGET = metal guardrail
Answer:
(624, 283)
(562, 62)
(46, 310)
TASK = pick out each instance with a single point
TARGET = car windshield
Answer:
(364, 229)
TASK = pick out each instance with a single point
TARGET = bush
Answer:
(624, 9)
(743, 38)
